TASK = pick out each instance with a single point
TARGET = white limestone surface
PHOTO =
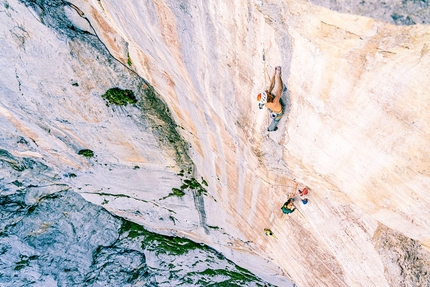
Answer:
(355, 131)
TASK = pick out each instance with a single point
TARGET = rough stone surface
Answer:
(53, 237)
(407, 264)
(355, 130)
(399, 12)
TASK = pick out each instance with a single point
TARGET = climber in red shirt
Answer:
(303, 195)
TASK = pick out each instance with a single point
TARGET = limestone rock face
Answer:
(51, 236)
(399, 12)
(355, 128)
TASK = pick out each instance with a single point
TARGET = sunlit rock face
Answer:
(58, 134)
(355, 128)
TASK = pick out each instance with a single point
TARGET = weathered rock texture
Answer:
(51, 236)
(355, 130)
(399, 12)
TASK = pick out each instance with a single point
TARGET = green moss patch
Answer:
(160, 244)
(177, 192)
(129, 60)
(189, 183)
(24, 262)
(163, 247)
(119, 97)
(17, 183)
(193, 184)
(170, 245)
(86, 153)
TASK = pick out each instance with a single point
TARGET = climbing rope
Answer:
(265, 74)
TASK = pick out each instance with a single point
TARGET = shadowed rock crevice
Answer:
(19, 164)
(164, 127)
(398, 12)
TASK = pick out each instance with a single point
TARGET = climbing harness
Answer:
(274, 115)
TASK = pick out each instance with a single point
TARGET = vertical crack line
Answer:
(19, 82)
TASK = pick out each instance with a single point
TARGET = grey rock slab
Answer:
(398, 12)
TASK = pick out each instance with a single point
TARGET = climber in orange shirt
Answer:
(273, 101)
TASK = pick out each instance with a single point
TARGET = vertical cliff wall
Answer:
(355, 129)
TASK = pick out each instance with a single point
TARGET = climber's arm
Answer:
(272, 84)
(278, 86)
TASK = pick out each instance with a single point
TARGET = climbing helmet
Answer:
(262, 99)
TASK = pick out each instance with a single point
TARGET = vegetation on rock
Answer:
(188, 183)
(209, 267)
(177, 192)
(129, 60)
(86, 153)
(119, 97)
